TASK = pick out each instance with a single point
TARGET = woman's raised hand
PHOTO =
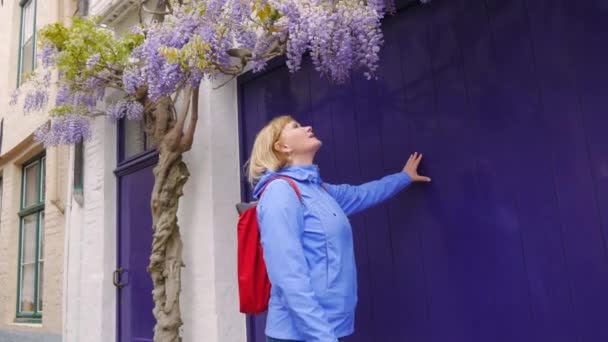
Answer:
(411, 168)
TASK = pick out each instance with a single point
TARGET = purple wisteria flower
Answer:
(262, 45)
(63, 95)
(48, 55)
(196, 76)
(118, 110)
(163, 82)
(46, 79)
(93, 61)
(96, 87)
(15, 97)
(35, 99)
(84, 99)
(135, 110)
(132, 80)
(66, 129)
(341, 36)
(161, 77)
(136, 30)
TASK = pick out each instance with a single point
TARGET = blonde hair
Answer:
(263, 154)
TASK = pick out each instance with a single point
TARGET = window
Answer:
(78, 173)
(134, 140)
(27, 39)
(83, 8)
(30, 296)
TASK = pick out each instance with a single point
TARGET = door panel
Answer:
(136, 321)
(506, 99)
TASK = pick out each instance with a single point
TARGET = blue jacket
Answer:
(308, 250)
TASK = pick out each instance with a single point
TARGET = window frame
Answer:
(1, 196)
(1, 134)
(36, 208)
(23, 4)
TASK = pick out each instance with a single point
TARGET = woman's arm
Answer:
(353, 199)
(281, 220)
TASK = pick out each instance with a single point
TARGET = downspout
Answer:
(66, 247)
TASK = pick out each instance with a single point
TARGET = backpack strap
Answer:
(289, 180)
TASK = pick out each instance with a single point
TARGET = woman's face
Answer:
(298, 140)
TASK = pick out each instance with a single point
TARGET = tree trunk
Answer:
(170, 176)
(166, 257)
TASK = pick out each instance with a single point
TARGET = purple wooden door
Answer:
(135, 181)
(507, 101)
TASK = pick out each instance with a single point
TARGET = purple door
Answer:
(507, 101)
(134, 290)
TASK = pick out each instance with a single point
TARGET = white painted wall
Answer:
(207, 218)
(90, 303)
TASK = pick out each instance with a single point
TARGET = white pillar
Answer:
(207, 218)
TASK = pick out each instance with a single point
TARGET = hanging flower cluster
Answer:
(197, 40)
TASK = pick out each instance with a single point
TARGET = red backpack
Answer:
(254, 285)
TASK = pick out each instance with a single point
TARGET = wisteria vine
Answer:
(197, 40)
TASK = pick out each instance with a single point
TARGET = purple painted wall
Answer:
(507, 99)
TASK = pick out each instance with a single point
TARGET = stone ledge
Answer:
(19, 336)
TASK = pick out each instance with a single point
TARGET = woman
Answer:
(307, 241)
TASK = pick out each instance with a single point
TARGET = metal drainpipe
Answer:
(66, 248)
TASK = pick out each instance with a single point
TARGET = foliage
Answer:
(197, 40)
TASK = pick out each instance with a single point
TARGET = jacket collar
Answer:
(301, 173)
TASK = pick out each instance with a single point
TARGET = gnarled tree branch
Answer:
(188, 137)
(174, 136)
